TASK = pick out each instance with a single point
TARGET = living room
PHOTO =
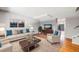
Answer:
(33, 29)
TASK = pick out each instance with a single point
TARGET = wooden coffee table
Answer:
(27, 45)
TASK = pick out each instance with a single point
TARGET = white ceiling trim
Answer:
(45, 17)
(37, 17)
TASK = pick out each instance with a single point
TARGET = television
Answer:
(47, 26)
(13, 24)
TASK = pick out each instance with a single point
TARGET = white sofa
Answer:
(6, 48)
(75, 39)
(53, 38)
(17, 37)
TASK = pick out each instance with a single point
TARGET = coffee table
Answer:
(28, 45)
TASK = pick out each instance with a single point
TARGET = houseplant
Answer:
(40, 29)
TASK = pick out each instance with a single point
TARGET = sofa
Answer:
(6, 48)
(68, 46)
(17, 36)
(53, 38)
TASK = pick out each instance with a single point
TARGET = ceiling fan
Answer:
(77, 9)
(76, 27)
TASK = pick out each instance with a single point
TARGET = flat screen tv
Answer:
(47, 26)
(13, 24)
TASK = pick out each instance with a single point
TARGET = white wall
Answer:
(53, 22)
(6, 17)
(71, 22)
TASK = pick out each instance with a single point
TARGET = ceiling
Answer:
(43, 12)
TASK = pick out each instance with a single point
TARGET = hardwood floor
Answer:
(69, 47)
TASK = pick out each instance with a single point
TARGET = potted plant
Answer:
(40, 29)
